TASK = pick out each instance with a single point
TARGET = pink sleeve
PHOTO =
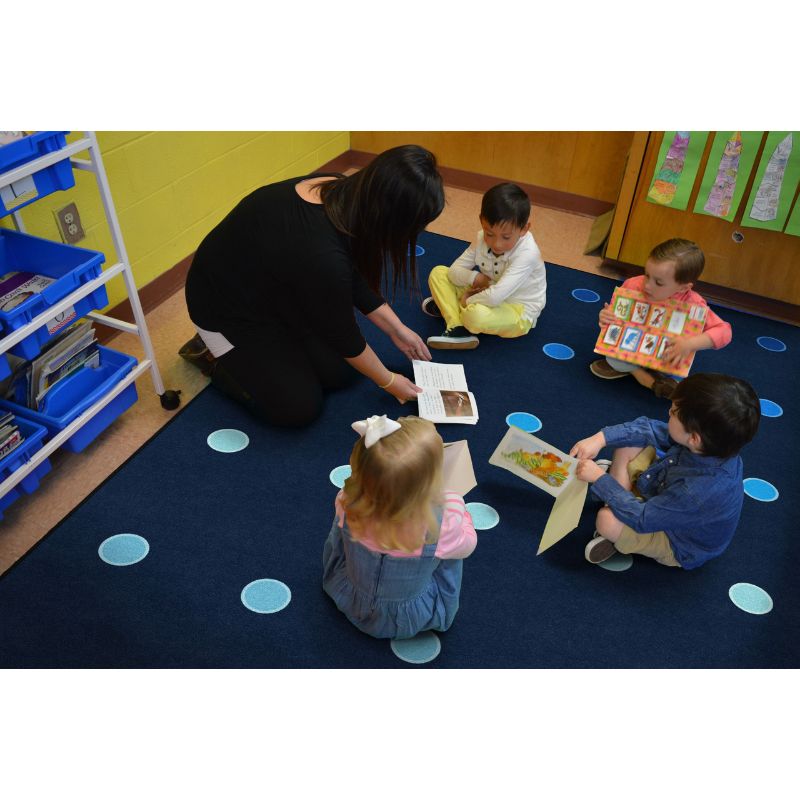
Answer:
(718, 330)
(457, 537)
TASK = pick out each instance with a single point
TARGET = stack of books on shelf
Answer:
(74, 349)
(10, 435)
(17, 287)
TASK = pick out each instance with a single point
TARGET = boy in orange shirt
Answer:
(670, 272)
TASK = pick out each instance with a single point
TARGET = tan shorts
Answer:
(653, 545)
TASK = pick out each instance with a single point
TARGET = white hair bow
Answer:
(374, 428)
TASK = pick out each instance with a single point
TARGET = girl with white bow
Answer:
(392, 562)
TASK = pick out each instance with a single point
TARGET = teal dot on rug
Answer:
(339, 475)
(770, 343)
(483, 516)
(750, 598)
(770, 409)
(123, 549)
(266, 596)
(618, 562)
(228, 440)
(585, 295)
(558, 351)
(420, 649)
(526, 422)
(760, 490)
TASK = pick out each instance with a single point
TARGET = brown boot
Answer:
(197, 353)
(664, 386)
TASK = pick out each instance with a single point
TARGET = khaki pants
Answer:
(653, 545)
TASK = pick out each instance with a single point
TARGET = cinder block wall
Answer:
(171, 188)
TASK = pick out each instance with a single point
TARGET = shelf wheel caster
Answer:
(170, 400)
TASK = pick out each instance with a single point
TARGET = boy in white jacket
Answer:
(507, 292)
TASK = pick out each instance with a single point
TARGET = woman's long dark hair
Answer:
(383, 208)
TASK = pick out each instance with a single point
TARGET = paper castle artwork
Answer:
(643, 329)
(666, 180)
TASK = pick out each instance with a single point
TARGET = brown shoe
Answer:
(604, 370)
(197, 353)
(664, 386)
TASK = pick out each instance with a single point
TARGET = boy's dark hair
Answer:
(722, 410)
(688, 257)
(506, 202)
(383, 208)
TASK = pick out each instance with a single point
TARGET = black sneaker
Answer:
(599, 550)
(458, 338)
(430, 308)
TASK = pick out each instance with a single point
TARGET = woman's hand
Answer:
(402, 388)
(408, 342)
(606, 315)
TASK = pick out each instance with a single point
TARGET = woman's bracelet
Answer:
(387, 385)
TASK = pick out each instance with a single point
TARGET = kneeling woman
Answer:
(272, 288)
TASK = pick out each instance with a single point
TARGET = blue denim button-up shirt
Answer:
(696, 500)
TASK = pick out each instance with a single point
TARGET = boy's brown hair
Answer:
(688, 257)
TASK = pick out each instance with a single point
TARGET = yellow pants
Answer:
(505, 320)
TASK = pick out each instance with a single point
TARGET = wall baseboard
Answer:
(475, 182)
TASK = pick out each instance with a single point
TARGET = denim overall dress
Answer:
(386, 596)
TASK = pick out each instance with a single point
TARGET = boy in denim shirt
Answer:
(683, 508)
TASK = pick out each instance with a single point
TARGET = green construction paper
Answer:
(793, 226)
(791, 177)
(750, 144)
(694, 152)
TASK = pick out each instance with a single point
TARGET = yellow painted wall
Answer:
(171, 188)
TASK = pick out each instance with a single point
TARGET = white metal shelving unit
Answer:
(169, 399)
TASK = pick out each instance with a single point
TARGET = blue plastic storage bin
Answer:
(46, 181)
(34, 438)
(72, 395)
(71, 266)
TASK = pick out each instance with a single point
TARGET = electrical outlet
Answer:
(69, 224)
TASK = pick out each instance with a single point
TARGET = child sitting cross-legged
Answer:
(393, 559)
(498, 285)
(680, 508)
(671, 270)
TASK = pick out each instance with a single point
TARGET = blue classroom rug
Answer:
(192, 557)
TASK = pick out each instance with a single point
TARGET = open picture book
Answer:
(445, 397)
(643, 329)
(546, 467)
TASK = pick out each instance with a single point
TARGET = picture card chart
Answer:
(643, 328)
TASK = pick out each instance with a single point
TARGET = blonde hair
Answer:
(394, 486)
(688, 257)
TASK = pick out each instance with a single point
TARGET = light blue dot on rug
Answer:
(420, 649)
(419, 250)
(585, 295)
(759, 489)
(770, 409)
(527, 422)
(558, 351)
(750, 598)
(770, 343)
(339, 475)
(123, 549)
(228, 440)
(483, 516)
(266, 596)
(619, 562)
